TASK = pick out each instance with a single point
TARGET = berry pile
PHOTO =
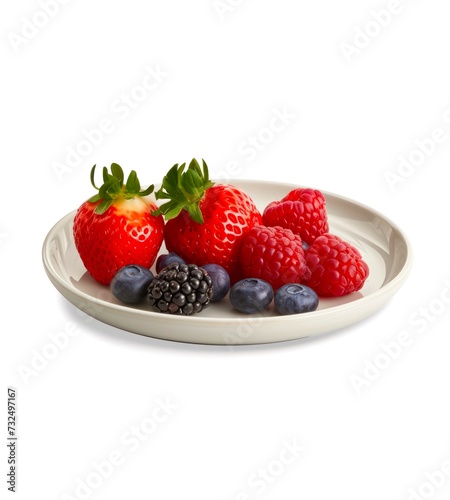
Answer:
(218, 243)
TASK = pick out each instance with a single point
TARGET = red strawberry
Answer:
(205, 221)
(337, 268)
(302, 210)
(115, 227)
(274, 254)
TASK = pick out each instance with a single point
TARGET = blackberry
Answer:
(180, 289)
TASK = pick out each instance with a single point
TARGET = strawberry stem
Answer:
(113, 187)
(184, 190)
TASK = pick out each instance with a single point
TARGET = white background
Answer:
(225, 72)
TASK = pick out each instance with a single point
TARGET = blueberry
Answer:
(251, 295)
(305, 245)
(167, 258)
(220, 280)
(294, 298)
(130, 283)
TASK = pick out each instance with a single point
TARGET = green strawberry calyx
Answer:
(185, 190)
(114, 188)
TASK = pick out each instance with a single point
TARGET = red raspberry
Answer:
(273, 254)
(302, 210)
(337, 267)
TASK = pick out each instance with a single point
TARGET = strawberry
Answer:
(337, 267)
(302, 210)
(205, 221)
(273, 254)
(115, 227)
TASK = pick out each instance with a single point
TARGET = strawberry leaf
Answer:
(104, 190)
(102, 207)
(195, 213)
(92, 177)
(205, 170)
(133, 185)
(94, 198)
(195, 166)
(170, 209)
(147, 191)
(115, 189)
(117, 171)
(106, 175)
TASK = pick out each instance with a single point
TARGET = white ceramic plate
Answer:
(382, 245)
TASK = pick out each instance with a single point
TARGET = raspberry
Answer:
(302, 210)
(337, 267)
(273, 254)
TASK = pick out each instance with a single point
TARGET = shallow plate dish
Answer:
(382, 245)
